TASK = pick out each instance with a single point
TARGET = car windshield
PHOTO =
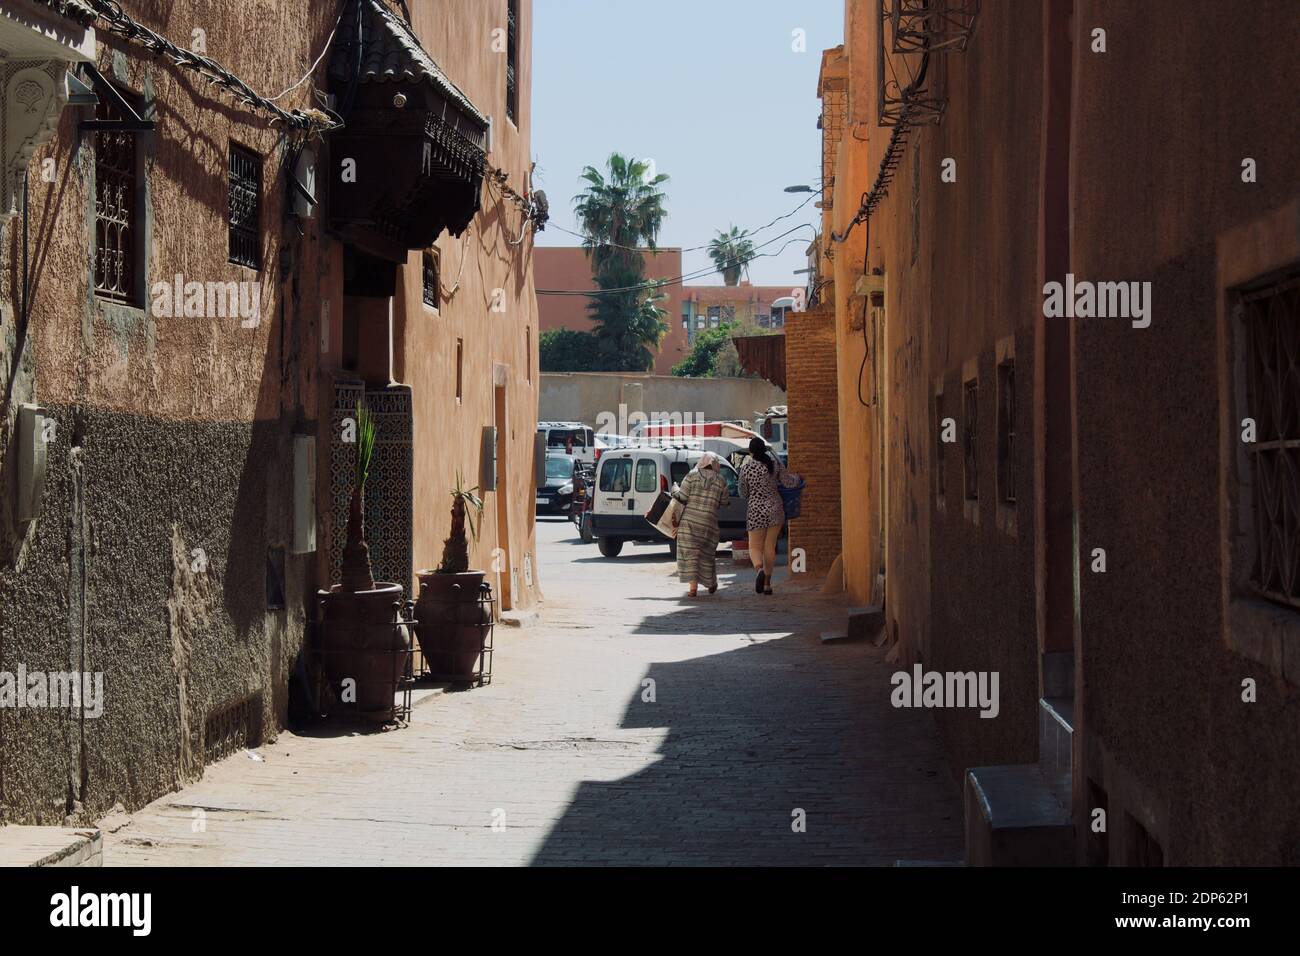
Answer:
(559, 468)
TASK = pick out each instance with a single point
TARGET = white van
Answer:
(774, 426)
(629, 479)
(569, 438)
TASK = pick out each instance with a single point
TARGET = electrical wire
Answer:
(312, 69)
(747, 232)
(118, 23)
(679, 280)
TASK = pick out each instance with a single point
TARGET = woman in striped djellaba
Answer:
(702, 492)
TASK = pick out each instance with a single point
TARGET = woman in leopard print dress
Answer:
(760, 476)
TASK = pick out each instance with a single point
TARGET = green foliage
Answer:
(731, 252)
(620, 212)
(628, 325)
(365, 443)
(568, 350)
(709, 346)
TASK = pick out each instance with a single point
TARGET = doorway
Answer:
(503, 562)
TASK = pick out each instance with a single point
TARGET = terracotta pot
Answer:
(356, 642)
(449, 622)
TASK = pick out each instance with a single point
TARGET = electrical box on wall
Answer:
(487, 480)
(304, 494)
(31, 461)
(539, 458)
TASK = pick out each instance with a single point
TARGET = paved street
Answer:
(561, 760)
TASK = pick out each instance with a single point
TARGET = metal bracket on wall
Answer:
(130, 121)
(917, 28)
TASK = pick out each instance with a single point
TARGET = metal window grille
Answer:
(1272, 319)
(969, 438)
(245, 196)
(512, 60)
(115, 208)
(1007, 431)
(431, 288)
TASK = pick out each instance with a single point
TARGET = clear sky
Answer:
(711, 90)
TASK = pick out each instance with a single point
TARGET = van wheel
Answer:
(584, 529)
(610, 547)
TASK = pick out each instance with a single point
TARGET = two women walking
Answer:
(704, 491)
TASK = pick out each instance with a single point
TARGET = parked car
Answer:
(569, 438)
(629, 479)
(555, 495)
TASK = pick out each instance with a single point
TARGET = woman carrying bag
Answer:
(703, 491)
(761, 478)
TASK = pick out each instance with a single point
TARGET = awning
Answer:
(417, 144)
(764, 355)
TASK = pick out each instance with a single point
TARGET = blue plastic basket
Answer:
(792, 498)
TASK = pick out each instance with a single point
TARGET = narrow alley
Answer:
(562, 759)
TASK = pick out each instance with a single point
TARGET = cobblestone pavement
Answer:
(564, 759)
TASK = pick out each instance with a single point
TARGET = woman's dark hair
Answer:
(758, 449)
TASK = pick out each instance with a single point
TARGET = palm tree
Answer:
(620, 212)
(731, 252)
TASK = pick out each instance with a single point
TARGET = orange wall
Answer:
(567, 267)
(500, 347)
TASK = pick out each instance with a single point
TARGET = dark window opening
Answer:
(1007, 432)
(969, 438)
(432, 289)
(460, 359)
(1272, 320)
(275, 579)
(245, 197)
(512, 60)
(117, 213)
(1143, 848)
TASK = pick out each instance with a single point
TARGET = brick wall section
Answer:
(814, 433)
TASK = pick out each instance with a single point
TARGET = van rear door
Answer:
(645, 484)
(614, 485)
(731, 516)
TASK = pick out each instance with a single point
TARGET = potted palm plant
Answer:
(449, 619)
(359, 638)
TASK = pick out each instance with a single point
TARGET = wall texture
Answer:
(171, 435)
(814, 434)
(582, 396)
(1170, 738)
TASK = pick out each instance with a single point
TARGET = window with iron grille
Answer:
(1272, 325)
(1007, 432)
(940, 479)
(245, 198)
(117, 212)
(970, 429)
(512, 60)
(431, 280)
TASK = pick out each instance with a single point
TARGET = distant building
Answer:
(567, 268)
(710, 306)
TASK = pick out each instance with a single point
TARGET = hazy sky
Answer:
(711, 90)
